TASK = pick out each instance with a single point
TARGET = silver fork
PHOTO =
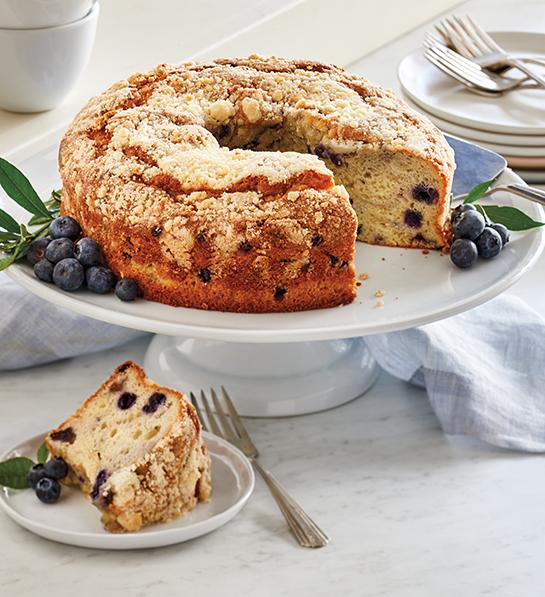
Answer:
(473, 76)
(226, 423)
(473, 42)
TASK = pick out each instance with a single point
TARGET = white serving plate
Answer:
(419, 288)
(75, 521)
(518, 113)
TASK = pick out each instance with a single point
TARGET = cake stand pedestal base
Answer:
(266, 380)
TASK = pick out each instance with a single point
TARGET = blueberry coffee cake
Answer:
(241, 185)
(135, 449)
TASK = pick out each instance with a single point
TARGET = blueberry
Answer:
(280, 292)
(68, 274)
(503, 232)
(489, 243)
(48, 490)
(461, 209)
(468, 225)
(413, 218)
(126, 289)
(126, 400)
(64, 227)
(101, 478)
(425, 193)
(87, 252)
(64, 435)
(99, 279)
(43, 270)
(205, 275)
(35, 473)
(56, 468)
(154, 402)
(463, 253)
(36, 251)
(60, 248)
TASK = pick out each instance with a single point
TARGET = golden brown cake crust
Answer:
(161, 170)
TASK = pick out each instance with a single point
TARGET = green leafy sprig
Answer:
(15, 238)
(511, 217)
(14, 471)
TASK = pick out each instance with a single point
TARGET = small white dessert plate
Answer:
(536, 177)
(518, 113)
(75, 521)
(530, 143)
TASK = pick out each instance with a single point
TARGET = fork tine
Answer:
(431, 40)
(484, 36)
(237, 422)
(211, 418)
(461, 63)
(458, 40)
(475, 38)
(226, 426)
(436, 45)
(450, 71)
(198, 409)
(477, 78)
(445, 39)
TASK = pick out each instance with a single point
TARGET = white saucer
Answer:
(477, 136)
(536, 177)
(519, 113)
(75, 521)
(502, 144)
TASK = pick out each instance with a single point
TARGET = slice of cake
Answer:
(135, 448)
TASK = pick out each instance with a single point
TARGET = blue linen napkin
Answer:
(33, 331)
(483, 370)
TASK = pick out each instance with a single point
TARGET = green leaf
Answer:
(479, 190)
(8, 236)
(5, 262)
(18, 187)
(42, 453)
(510, 217)
(7, 222)
(13, 472)
(37, 220)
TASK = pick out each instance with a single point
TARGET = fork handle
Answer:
(306, 531)
(526, 70)
(531, 193)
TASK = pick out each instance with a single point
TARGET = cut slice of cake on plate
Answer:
(135, 449)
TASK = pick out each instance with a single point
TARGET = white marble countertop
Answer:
(411, 512)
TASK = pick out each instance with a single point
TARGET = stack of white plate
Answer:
(513, 125)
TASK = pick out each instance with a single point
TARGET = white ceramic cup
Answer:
(39, 67)
(34, 14)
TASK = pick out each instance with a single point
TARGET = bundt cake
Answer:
(235, 185)
(136, 450)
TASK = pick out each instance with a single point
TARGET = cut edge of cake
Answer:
(155, 469)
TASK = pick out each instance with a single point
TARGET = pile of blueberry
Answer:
(44, 479)
(71, 262)
(474, 238)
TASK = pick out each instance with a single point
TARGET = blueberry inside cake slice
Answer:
(135, 449)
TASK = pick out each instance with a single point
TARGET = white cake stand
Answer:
(294, 363)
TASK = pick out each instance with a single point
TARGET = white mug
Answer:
(39, 67)
(33, 14)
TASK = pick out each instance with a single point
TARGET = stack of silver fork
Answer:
(465, 52)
